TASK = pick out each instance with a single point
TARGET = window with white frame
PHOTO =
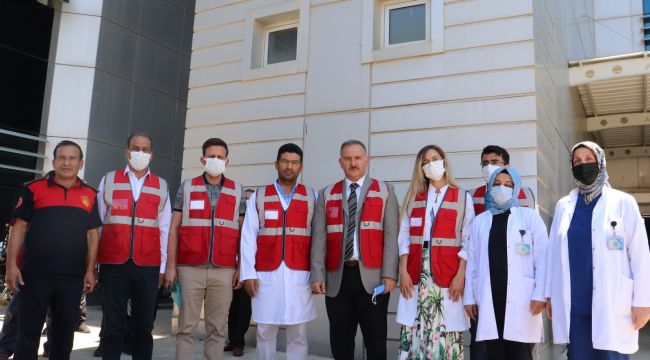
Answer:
(280, 43)
(275, 40)
(404, 23)
(394, 29)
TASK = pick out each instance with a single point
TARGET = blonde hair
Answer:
(419, 182)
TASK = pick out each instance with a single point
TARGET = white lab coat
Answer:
(454, 313)
(284, 296)
(621, 277)
(526, 276)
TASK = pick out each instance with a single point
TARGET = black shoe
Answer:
(99, 352)
(229, 347)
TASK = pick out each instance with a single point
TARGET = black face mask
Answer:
(586, 173)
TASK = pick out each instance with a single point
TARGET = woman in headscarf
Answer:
(599, 264)
(506, 269)
(435, 220)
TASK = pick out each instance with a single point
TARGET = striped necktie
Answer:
(352, 212)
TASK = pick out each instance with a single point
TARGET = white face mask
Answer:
(501, 194)
(488, 170)
(214, 166)
(139, 160)
(434, 170)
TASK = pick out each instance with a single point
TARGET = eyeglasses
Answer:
(67, 158)
(492, 162)
(286, 162)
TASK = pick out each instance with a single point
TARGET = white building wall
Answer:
(500, 80)
(560, 34)
(618, 26)
(66, 110)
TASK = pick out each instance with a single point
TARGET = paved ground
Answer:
(164, 344)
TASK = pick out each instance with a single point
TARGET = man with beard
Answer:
(275, 250)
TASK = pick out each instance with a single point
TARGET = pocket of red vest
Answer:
(229, 241)
(446, 224)
(150, 203)
(300, 250)
(448, 262)
(372, 247)
(190, 239)
(110, 240)
(373, 208)
(149, 240)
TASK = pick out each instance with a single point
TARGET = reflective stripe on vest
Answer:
(286, 235)
(207, 236)
(526, 198)
(446, 239)
(370, 227)
(130, 231)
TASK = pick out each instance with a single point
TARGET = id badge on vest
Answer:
(197, 205)
(271, 214)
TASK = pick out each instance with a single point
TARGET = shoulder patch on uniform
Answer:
(85, 201)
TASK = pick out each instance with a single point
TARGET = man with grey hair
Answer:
(354, 254)
(134, 205)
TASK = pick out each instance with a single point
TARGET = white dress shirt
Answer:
(348, 182)
(284, 295)
(164, 216)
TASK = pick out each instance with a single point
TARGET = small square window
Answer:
(404, 23)
(281, 44)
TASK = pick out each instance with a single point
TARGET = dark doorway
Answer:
(25, 36)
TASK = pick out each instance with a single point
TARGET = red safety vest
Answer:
(526, 198)
(445, 236)
(370, 227)
(207, 236)
(130, 228)
(284, 235)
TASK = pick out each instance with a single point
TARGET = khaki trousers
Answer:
(201, 286)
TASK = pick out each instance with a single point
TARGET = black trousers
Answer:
(351, 307)
(83, 315)
(62, 294)
(477, 349)
(140, 284)
(508, 350)
(239, 317)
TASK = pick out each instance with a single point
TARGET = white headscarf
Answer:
(592, 191)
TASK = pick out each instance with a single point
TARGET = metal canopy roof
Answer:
(614, 93)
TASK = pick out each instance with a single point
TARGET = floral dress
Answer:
(428, 338)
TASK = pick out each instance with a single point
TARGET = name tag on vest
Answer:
(120, 204)
(197, 205)
(271, 214)
(416, 222)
